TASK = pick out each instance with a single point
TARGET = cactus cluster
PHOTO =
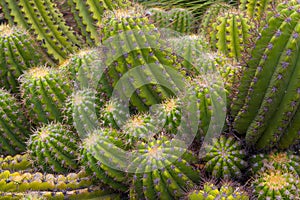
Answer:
(16, 163)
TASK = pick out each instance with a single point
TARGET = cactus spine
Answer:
(16, 56)
(54, 148)
(44, 91)
(269, 86)
(14, 127)
(46, 22)
(224, 158)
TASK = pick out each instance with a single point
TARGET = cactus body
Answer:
(44, 91)
(225, 158)
(269, 90)
(163, 172)
(54, 148)
(211, 191)
(158, 17)
(45, 21)
(100, 148)
(16, 56)
(16, 163)
(284, 161)
(276, 184)
(181, 20)
(230, 34)
(14, 127)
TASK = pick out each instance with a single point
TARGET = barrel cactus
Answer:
(181, 20)
(276, 184)
(267, 102)
(14, 126)
(158, 17)
(163, 170)
(54, 148)
(17, 55)
(212, 191)
(225, 158)
(44, 91)
(16, 163)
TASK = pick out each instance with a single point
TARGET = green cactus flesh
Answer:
(54, 148)
(181, 20)
(276, 184)
(16, 47)
(14, 126)
(45, 21)
(225, 158)
(16, 163)
(44, 91)
(163, 170)
(158, 17)
(270, 84)
(212, 191)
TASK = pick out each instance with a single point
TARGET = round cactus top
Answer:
(38, 72)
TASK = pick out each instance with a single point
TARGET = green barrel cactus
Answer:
(18, 53)
(181, 20)
(267, 103)
(16, 163)
(108, 114)
(163, 170)
(230, 34)
(276, 184)
(158, 17)
(284, 161)
(46, 22)
(141, 52)
(89, 16)
(14, 126)
(54, 148)
(212, 191)
(225, 158)
(100, 151)
(44, 91)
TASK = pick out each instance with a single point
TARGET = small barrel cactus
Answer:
(224, 158)
(16, 56)
(16, 163)
(285, 161)
(54, 148)
(158, 17)
(181, 20)
(44, 91)
(14, 126)
(212, 191)
(100, 151)
(163, 170)
(276, 184)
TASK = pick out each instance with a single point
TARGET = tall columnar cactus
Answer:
(230, 34)
(163, 170)
(181, 20)
(267, 105)
(89, 16)
(54, 148)
(100, 151)
(45, 21)
(14, 126)
(225, 158)
(18, 53)
(212, 191)
(16, 163)
(276, 184)
(134, 44)
(44, 91)
(284, 161)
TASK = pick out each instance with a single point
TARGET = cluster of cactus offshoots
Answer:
(110, 99)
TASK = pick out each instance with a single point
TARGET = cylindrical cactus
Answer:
(100, 151)
(212, 191)
(230, 34)
(268, 98)
(163, 170)
(44, 91)
(54, 148)
(276, 184)
(285, 161)
(225, 158)
(14, 126)
(16, 163)
(18, 53)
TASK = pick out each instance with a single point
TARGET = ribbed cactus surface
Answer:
(16, 163)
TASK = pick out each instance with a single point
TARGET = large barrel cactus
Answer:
(267, 105)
